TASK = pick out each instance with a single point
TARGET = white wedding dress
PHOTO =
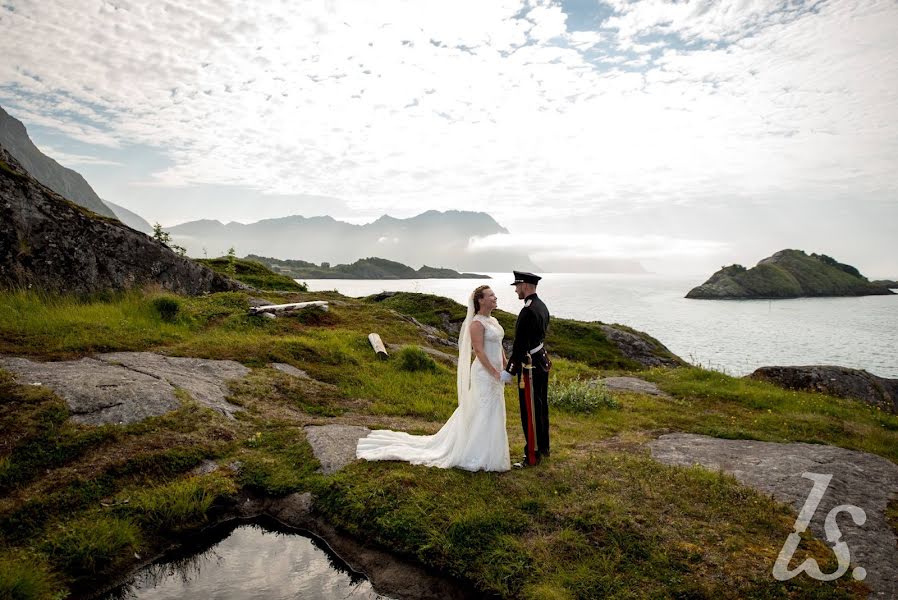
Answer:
(474, 438)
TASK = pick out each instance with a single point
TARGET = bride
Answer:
(474, 438)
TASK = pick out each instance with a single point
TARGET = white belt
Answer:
(537, 349)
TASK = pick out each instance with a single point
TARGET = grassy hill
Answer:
(788, 274)
(599, 518)
(252, 273)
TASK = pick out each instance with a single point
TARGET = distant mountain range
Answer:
(432, 238)
(365, 268)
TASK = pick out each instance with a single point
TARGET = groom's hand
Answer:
(505, 377)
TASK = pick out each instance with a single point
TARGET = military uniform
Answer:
(529, 337)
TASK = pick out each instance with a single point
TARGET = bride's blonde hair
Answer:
(478, 296)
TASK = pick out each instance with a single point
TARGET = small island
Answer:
(365, 268)
(788, 274)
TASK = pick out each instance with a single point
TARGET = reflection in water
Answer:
(250, 561)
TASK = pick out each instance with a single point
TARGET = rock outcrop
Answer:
(788, 274)
(63, 181)
(641, 347)
(127, 387)
(53, 244)
(835, 381)
(860, 479)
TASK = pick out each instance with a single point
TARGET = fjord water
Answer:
(734, 336)
(248, 562)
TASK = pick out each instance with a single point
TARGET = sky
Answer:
(685, 135)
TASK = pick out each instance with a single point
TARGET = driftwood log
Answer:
(378, 345)
(273, 308)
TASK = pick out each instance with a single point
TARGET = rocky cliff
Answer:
(788, 274)
(66, 182)
(53, 244)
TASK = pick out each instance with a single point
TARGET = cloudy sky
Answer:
(685, 134)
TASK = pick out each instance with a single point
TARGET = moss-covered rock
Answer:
(253, 273)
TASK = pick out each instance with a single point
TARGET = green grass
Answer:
(38, 435)
(175, 506)
(26, 576)
(599, 518)
(580, 396)
(34, 323)
(571, 529)
(92, 544)
(278, 461)
(253, 273)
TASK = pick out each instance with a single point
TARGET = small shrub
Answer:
(413, 358)
(315, 316)
(168, 308)
(581, 396)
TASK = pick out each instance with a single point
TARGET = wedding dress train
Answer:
(474, 438)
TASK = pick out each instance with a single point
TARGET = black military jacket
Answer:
(530, 332)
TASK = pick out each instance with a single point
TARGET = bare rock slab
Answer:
(632, 384)
(96, 392)
(864, 480)
(290, 370)
(127, 387)
(334, 445)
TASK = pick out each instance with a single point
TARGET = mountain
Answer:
(52, 244)
(788, 274)
(63, 181)
(131, 219)
(434, 238)
(366, 268)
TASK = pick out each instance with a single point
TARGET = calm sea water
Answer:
(735, 336)
(250, 562)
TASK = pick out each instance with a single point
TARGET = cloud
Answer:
(68, 159)
(493, 106)
(607, 246)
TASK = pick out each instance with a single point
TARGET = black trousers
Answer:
(540, 412)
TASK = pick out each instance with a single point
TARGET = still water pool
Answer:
(252, 561)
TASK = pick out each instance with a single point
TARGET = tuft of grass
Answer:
(92, 544)
(414, 359)
(580, 396)
(177, 505)
(26, 576)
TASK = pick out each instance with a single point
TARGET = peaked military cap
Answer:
(524, 277)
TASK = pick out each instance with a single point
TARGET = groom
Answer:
(529, 338)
